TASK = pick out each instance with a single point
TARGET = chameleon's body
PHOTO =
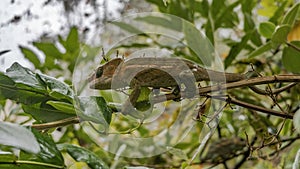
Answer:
(153, 72)
(156, 73)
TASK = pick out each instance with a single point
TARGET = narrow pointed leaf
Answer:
(84, 155)
(291, 15)
(18, 136)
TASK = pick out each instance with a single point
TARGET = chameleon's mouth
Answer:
(91, 78)
(100, 83)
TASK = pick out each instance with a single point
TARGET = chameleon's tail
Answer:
(226, 77)
(216, 76)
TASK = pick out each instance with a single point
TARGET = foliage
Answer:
(244, 137)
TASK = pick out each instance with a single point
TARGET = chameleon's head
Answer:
(101, 79)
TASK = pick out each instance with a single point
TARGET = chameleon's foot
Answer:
(188, 79)
(128, 109)
(176, 92)
(190, 92)
(139, 110)
(156, 91)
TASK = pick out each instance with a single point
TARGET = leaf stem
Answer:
(293, 46)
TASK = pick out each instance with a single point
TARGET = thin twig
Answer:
(59, 123)
(254, 107)
(274, 91)
(282, 141)
(251, 82)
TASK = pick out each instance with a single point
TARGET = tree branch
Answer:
(203, 92)
(242, 83)
(59, 123)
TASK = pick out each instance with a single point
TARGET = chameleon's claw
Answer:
(188, 79)
(156, 91)
(127, 108)
(176, 92)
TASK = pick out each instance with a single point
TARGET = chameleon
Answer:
(224, 149)
(157, 73)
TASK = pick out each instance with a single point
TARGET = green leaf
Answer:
(27, 90)
(226, 17)
(296, 163)
(178, 153)
(72, 42)
(249, 23)
(203, 9)
(55, 86)
(180, 9)
(49, 152)
(184, 165)
(62, 106)
(49, 49)
(290, 17)
(217, 7)
(73, 49)
(43, 112)
(20, 74)
(209, 30)
(51, 64)
(132, 45)
(279, 13)
(94, 109)
(128, 28)
(7, 160)
(2, 102)
(106, 111)
(268, 7)
(5, 83)
(247, 6)
(256, 39)
(26, 94)
(31, 56)
(199, 7)
(199, 44)
(30, 88)
(160, 4)
(266, 29)
(262, 49)
(236, 49)
(62, 41)
(143, 102)
(60, 96)
(22, 94)
(84, 155)
(173, 23)
(291, 57)
(19, 137)
(280, 35)
(7, 156)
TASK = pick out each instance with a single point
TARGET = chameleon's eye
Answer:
(99, 72)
